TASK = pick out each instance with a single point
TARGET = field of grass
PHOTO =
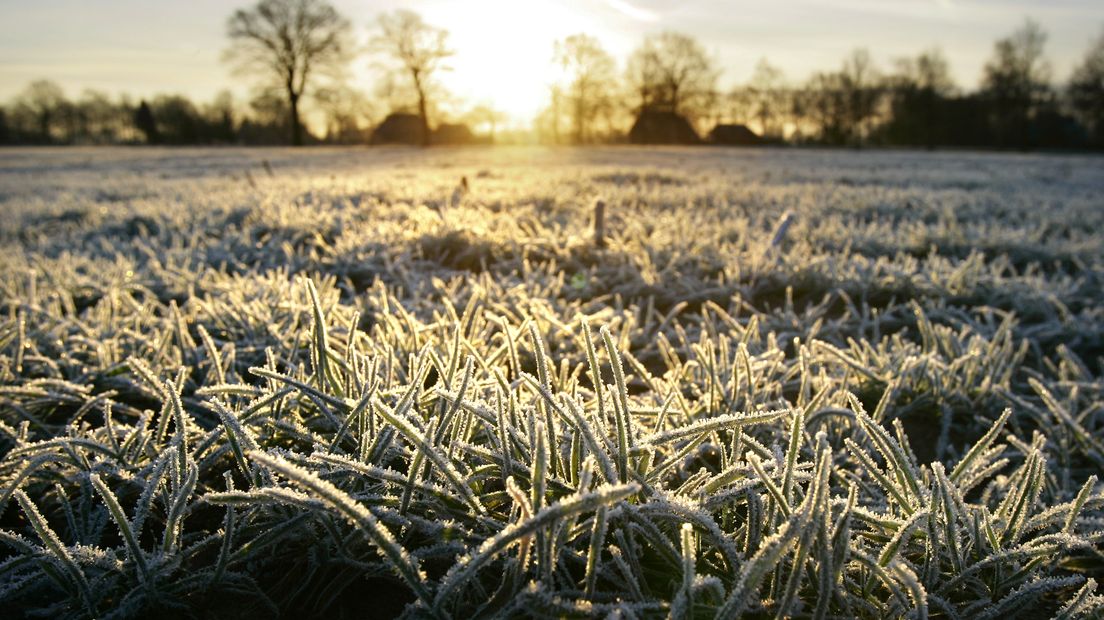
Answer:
(250, 383)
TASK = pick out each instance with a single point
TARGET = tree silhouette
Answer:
(670, 72)
(762, 100)
(841, 106)
(178, 120)
(291, 46)
(221, 116)
(859, 80)
(144, 121)
(288, 42)
(919, 89)
(349, 114)
(1086, 90)
(589, 74)
(97, 117)
(44, 102)
(418, 49)
(822, 107)
(486, 114)
(1016, 82)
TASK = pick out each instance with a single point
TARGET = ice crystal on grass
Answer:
(311, 395)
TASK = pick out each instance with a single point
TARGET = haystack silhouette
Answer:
(662, 127)
(453, 133)
(407, 128)
(399, 128)
(734, 135)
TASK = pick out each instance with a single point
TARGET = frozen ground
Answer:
(291, 378)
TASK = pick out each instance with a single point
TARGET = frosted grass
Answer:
(339, 386)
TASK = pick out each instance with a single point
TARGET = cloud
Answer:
(635, 12)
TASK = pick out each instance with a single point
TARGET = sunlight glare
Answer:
(504, 50)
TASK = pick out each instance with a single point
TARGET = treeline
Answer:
(296, 53)
(670, 79)
(42, 114)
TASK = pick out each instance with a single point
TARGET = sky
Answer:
(504, 47)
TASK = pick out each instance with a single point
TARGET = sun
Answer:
(504, 51)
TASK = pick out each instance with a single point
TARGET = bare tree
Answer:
(99, 118)
(918, 93)
(547, 122)
(929, 71)
(766, 99)
(418, 49)
(822, 106)
(1016, 82)
(43, 103)
(485, 114)
(861, 92)
(671, 72)
(589, 79)
(349, 114)
(841, 105)
(288, 42)
(1086, 90)
(221, 115)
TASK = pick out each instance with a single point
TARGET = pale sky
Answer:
(504, 47)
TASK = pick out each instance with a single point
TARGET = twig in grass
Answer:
(600, 223)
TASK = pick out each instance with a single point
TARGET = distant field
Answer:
(328, 382)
